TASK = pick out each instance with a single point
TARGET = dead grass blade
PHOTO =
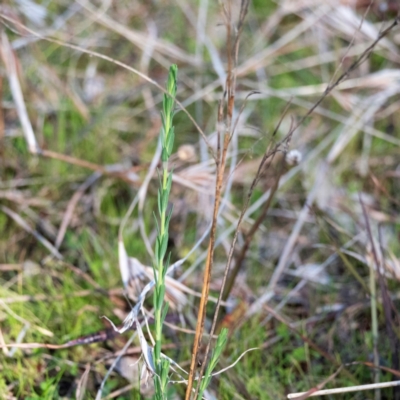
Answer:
(316, 389)
(116, 62)
(138, 38)
(71, 206)
(113, 365)
(350, 389)
(23, 224)
(81, 387)
(10, 63)
(223, 131)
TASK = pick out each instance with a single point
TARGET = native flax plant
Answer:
(161, 263)
(219, 347)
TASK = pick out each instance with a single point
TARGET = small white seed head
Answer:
(293, 157)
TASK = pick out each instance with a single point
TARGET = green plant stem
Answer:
(160, 265)
(374, 327)
(160, 281)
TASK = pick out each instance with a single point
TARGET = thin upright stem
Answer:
(160, 264)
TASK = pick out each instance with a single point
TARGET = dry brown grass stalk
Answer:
(224, 129)
(283, 142)
(226, 288)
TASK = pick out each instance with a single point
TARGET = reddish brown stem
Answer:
(249, 237)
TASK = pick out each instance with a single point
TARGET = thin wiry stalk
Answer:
(249, 237)
(220, 161)
(207, 272)
(285, 141)
(288, 137)
(346, 73)
(388, 306)
(374, 317)
(391, 324)
(351, 42)
(374, 327)
(220, 166)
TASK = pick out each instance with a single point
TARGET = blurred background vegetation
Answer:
(98, 122)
